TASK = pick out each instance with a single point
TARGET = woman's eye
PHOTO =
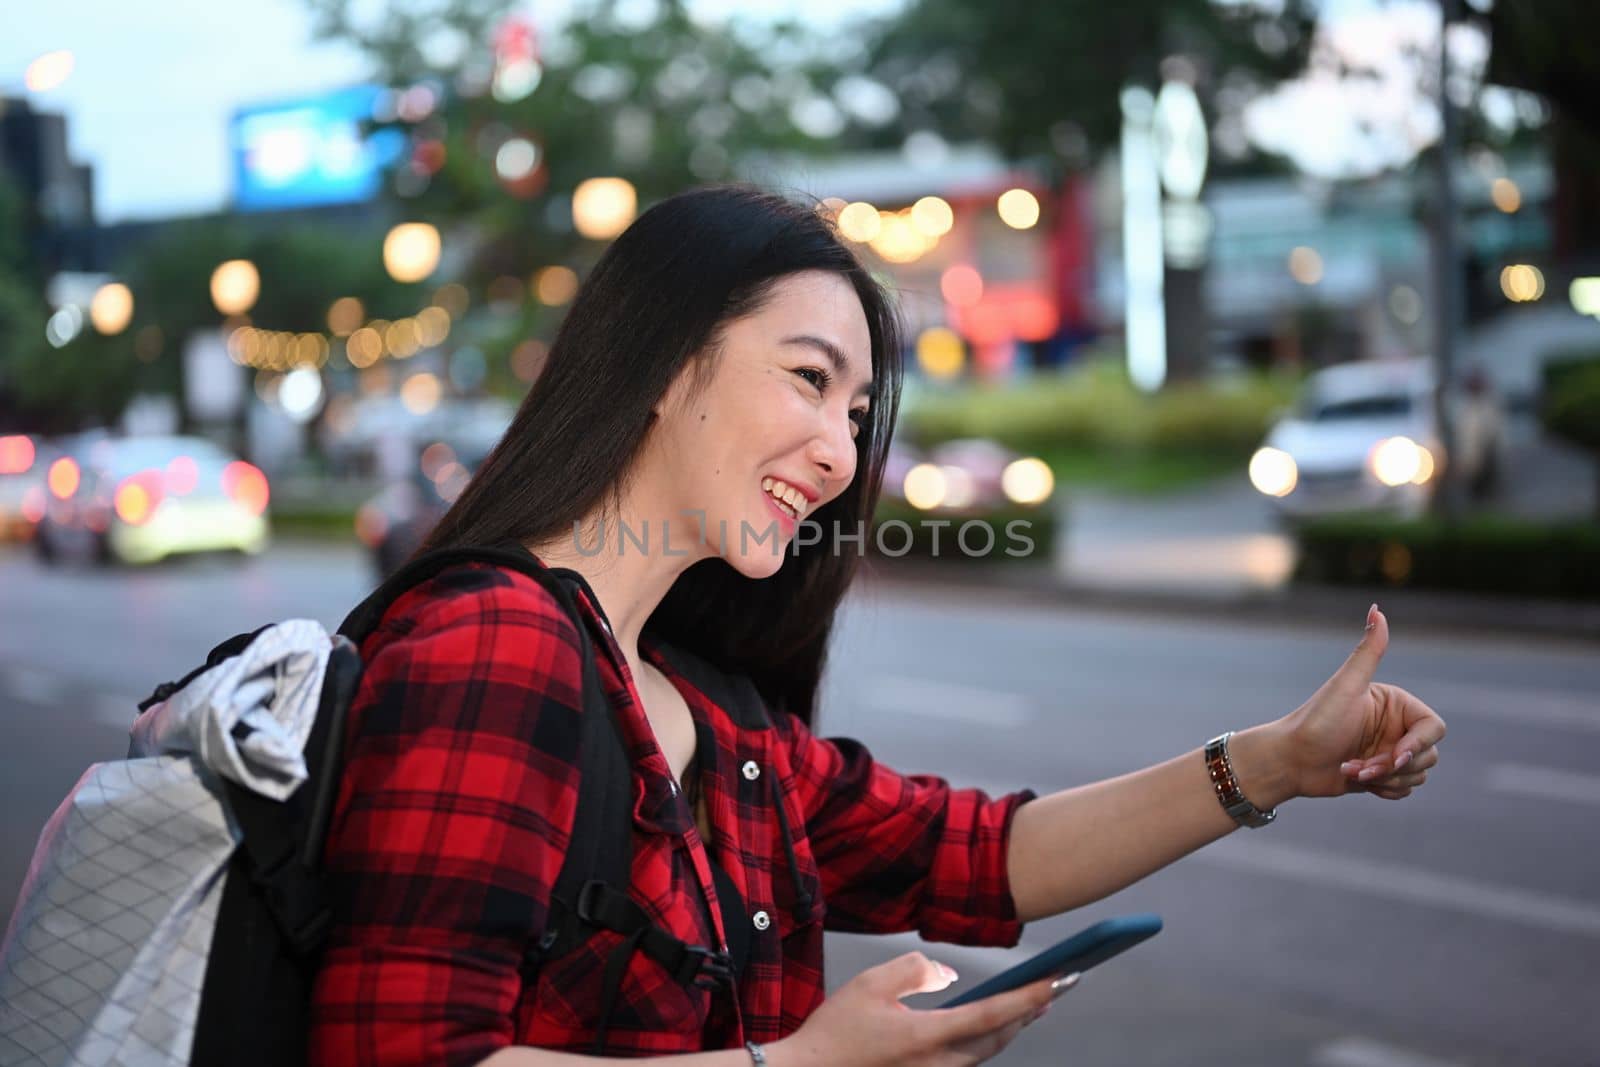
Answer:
(822, 377)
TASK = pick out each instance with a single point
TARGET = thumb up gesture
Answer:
(1356, 735)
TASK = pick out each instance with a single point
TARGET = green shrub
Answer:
(962, 540)
(1096, 407)
(1571, 408)
(1488, 555)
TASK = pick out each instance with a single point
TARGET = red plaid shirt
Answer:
(457, 806)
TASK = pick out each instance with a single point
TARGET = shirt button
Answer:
(673, 787)
(762, 920)
(751, 771)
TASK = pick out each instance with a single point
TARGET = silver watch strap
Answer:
(1227, 789)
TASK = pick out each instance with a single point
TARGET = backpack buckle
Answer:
(705, 967)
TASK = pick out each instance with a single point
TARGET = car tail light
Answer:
(16, 454)
(371, 525)
(246, 485)
(63, 477)
(138, 497)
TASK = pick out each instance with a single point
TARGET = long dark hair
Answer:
(658, 298)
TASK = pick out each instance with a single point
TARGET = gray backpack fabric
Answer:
(106, 954)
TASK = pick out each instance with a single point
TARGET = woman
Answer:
(728, 372)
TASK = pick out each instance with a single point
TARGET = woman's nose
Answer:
(834, 452)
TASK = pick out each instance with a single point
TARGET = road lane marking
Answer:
(1364, 1052)
(1559, 710)
(947, 700)
(1527, 907)
(33, 686)
(1544, 783)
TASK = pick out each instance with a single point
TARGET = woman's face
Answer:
(778, 409)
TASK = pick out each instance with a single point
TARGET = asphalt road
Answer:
(1459, 927)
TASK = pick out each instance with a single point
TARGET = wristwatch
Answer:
(1227, 786)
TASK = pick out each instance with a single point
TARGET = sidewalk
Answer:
(1217, 549)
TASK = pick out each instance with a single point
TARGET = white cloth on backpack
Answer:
(105, 957)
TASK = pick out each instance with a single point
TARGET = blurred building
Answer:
(992, 267)
(57, 194)
(1306, 272)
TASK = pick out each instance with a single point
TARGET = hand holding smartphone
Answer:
(1079, 952)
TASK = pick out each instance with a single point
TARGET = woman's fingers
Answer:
(991, 1014)
(1424, 729)
(1380, 768)
(909, 974)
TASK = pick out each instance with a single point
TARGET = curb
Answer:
(1434, 610)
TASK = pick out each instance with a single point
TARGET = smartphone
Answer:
(1077, 953)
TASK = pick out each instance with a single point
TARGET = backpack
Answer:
(174, 911)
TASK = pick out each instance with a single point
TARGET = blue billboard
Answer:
(310, 152)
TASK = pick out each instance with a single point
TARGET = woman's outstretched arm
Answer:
(1072, 848)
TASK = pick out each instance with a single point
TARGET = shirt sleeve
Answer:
(898, 852)
(454, 814)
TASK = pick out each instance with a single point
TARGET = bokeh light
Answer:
(933, 216)
(345, 316)
(411, 251)
(859, 222)
(1522, 283)
(420, 393)
(1018, 208)
(1505, 194)
(555, 286)
(603, 207)
(49, 71)
(1028, 481)
(235, 285)
(1305, 265)
(940, 352)
(112, 308)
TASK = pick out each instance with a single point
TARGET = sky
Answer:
(153, 87)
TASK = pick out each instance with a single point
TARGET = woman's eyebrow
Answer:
(840, 361)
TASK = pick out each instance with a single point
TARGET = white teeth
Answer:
(789, 497)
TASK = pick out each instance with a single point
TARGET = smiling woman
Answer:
(728, 376)
(726, 337)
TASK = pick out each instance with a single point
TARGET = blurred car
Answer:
(965, 476)
(1364, 437)
(394, 523)
(23, 459)
(141, 499)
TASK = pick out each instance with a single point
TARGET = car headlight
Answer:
(925, 486)
(1399, 460)
(1274, 472)
(1027, 481)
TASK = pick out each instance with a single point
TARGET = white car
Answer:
(141, 499)
(1365, 437)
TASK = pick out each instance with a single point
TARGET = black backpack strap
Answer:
(589, 893)
(273, 916)
(364, 618)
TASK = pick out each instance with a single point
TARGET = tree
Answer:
(1042, 81)
(664, 104)
(1545, 47)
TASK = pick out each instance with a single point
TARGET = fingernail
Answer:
(949, 972)
(1061, 985)
(1347, 766)
(1369, 774)
(1405, 758)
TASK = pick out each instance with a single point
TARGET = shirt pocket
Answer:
(568, 997)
